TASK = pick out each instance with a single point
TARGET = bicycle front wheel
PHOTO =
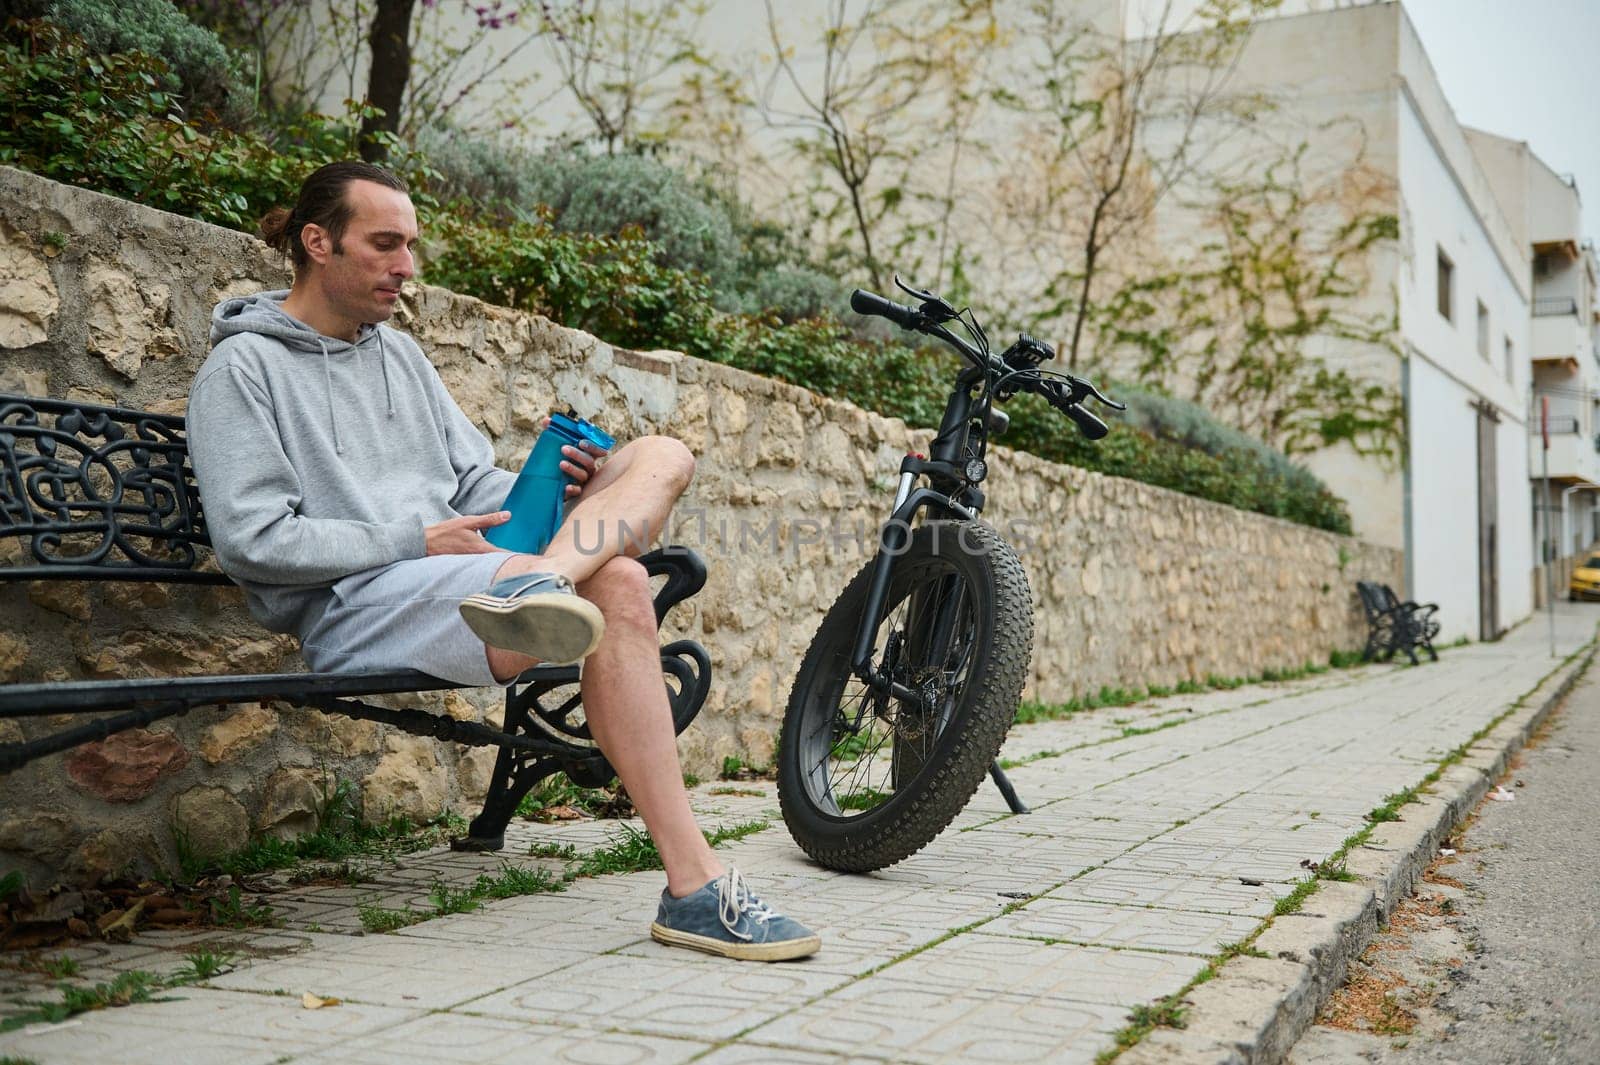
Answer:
(866, 778)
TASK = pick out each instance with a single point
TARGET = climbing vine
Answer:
(1274, 322)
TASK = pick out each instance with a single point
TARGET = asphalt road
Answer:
(1509, 971)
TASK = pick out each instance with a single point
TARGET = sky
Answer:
(1524, 69)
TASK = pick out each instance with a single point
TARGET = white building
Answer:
(1462, 282)
(1544, 209)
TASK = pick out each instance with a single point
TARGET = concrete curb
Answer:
(1255, 1009)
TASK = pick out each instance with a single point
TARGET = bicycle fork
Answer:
(893, 540)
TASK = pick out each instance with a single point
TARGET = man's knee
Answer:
(670, 457)
(621, 589)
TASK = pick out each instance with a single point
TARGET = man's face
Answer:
(360, 282)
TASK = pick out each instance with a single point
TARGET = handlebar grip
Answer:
(1092, 428)
(864, 302)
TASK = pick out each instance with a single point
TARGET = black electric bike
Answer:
(912, 680)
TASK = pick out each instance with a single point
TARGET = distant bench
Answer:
(106, 494)
(1393, 625)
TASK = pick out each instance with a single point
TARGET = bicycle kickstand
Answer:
(1007, 791)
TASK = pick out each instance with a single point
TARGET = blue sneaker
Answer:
(536, 614)
(725, 918)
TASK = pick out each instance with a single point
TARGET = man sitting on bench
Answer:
(346, 493)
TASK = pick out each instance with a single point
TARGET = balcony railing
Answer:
(1560, 425)
(1554, 306)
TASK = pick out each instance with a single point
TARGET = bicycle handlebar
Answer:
(1063, 397)
(1088, 424)
(870, 303)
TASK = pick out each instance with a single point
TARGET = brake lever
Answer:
(934, 307)
(1082, 390)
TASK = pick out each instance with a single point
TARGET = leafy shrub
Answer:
(106, 122)
(489, 172)
(605, 194)
(793, 292)
(200, 69)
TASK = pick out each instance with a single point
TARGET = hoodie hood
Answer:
(263, 314)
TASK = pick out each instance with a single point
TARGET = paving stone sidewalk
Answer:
(1159, 834)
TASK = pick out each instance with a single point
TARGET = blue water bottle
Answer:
(539, 498)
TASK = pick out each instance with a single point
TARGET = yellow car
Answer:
(1585, 582)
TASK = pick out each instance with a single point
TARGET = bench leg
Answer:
(687, 670)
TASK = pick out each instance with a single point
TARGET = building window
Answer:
(1483, 331)
(1447, 271)
(1511, 362)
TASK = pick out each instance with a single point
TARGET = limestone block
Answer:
(331, 734)
(759, 746)
(28, 297)
(408, 782)
(475, 772)
(111, 853)
(733, 413)
(128, 766)
(210, 821)
(691, 420)
(140, 653)
(237, 733)
(829, 452)
(135, 596)
(47, 836)
(242, 286)
(1093, 576)
(128, 320)
(290, 799)
(532, 400)
(458, 707)
(67, 598)
(479, 389)
(13, 653)
(783, 438)
(23, 382)
(758, 698)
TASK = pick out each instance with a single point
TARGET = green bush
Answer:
(200, 70)
(488, 172)
(106, 122)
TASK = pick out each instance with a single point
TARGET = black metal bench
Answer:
(1393, 625)
(106, 494)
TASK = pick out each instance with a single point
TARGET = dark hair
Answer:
(322, 202)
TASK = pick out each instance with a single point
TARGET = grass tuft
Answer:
(1291, 903)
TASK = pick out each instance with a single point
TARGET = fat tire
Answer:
(904, 824)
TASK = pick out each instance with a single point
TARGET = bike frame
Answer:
(961, 438)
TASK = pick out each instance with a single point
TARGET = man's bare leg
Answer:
(625, 702)
(624, 508)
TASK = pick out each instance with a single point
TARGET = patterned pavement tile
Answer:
(201, 1025)
(460, 1039)
(991, 964)
(664, 993)
(910, 1024)
(1134, 887)
(403, 972)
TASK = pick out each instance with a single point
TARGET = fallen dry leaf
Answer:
(316, 1002)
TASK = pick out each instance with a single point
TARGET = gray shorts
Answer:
(405, 616)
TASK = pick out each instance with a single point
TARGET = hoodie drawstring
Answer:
(383, 360)
(327, 383)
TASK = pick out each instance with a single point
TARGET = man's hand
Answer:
(579, 463)
(464, 535)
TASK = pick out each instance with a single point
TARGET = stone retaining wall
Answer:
(108, 301)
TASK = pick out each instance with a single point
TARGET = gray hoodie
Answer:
(317, 458)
